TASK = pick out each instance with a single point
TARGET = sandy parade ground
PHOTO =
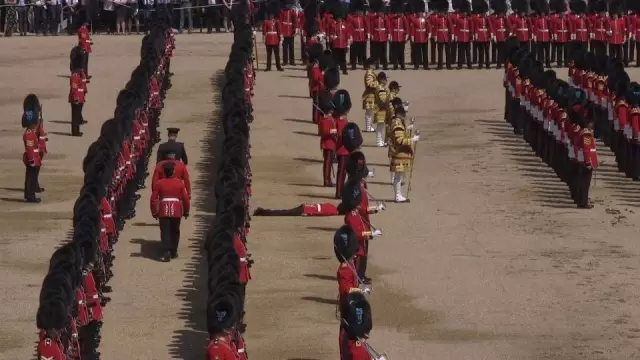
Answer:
(490, 260)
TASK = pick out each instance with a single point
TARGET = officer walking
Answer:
(171, 143)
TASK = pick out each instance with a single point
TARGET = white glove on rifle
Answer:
(371, 174)
(415, 138)
(376, 233)
(381, 207)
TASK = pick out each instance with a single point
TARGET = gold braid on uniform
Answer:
(400, 146)
(382, 100)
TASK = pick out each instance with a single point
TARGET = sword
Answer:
(415, 148)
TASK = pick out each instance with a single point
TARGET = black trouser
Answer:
(327, 163)
(625, 53)
(562, 54)
(303, 50)
(554, 50)
(474, 53)
(31, 184)
(211, 17)
(287, 51)
(23, 21)
(86, 63)
(362, 262)
(40, 20)
(379, 52)
(419, 55)
(340, 57)
(432, 54)
(482, 51)
(464, 52)
(396, 49)
(582, 185)
(637, 52)
(357, 53)
(494, 52)
(341, 176)
(615, 51)
(275, 50)
(76, 118)
(500, 53)
(598, 47)
(443, 47)
(543, 49)
(453, 53)
(170, 234)
(54, 18)
(632, 49)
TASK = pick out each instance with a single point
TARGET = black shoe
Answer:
(403, 68)
(174, 255)
(416, 68)
(33, 201)
(280, 69)
(107, 289)
(40, 190)
(292, 63)
(267, 69)
(385, 68)
(166, 257)
(258, 212)
(353, 68)
(84, 122)
(78, 134)
(345, 72)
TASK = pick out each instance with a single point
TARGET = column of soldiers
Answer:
(226, 243)
(70, 313)
(554, 117)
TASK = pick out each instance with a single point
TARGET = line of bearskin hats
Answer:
(461, 5)
(356, 317)
(558, 6)
(578, 6)
(351, 194)
(225, 303)
(311, 10)
(619, 6)
(539, 6)
(417, 6)
(597, 6)
(57, 295)
(356, 5)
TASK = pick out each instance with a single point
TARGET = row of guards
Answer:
(474, 33)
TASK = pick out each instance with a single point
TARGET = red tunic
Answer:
(355, 221)
(241, 250)
(31, 156)
(328, 140)
(320, 209)
(77, 88)
(357, 27)
(418, 28)
(340, 122)
(170, 199)
(271, 32)
(347, 280)
(180, 171)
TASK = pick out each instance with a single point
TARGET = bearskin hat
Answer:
(396, 6)
(499, 6)
(479, 6)
(315, 51)
(578, 6)
(342, 102)
(325, 103)
(325, 61)
(222, 313)
(332, 78)
(76, 58)
(356, 5)
(356, 165)
(345, 243)
(82, 17)
(52, 315)
(376, 6)
(351, 195)
(273, 8)
(558, 6)
(356, 316)
(351, 137)
(464, 6)
(617, 6)
(32, 111)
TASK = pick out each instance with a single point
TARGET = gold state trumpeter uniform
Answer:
(400, 151)
(369, 96)
(380, 117)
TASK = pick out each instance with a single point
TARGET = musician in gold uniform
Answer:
(369, 95)
(380, 108)
(401, 142)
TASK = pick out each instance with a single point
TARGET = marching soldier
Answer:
(419, 35)
(31, 157)
(578, 26)
(480, 30)
(598, 32)
(431, 19)
(328, 139)
(378, 29)
(287, 21)
(180, 170)
(498, 28)
(381, 103)
(561, 35)
(169, 203)
(452, 19)
(342, 103)
(77, 91)
(340, 36)
(369, 95)
(359, 35)
(462, 31)
(271, 36)
(617, 35)
(173, 145)
(519, 26)
(400, 151)
(542, 34)
(398, 33)
(223, 312)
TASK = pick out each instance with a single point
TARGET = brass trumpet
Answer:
(372, 352)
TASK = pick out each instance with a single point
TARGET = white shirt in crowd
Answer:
(108, 5)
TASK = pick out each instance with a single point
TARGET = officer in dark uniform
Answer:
(181, 153)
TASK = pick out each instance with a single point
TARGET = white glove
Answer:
(573, 36)
(493, 37)
(376, 233)
(371, 174)
(410, 126)
(415, 138)
(381, 207)
(254, 33)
